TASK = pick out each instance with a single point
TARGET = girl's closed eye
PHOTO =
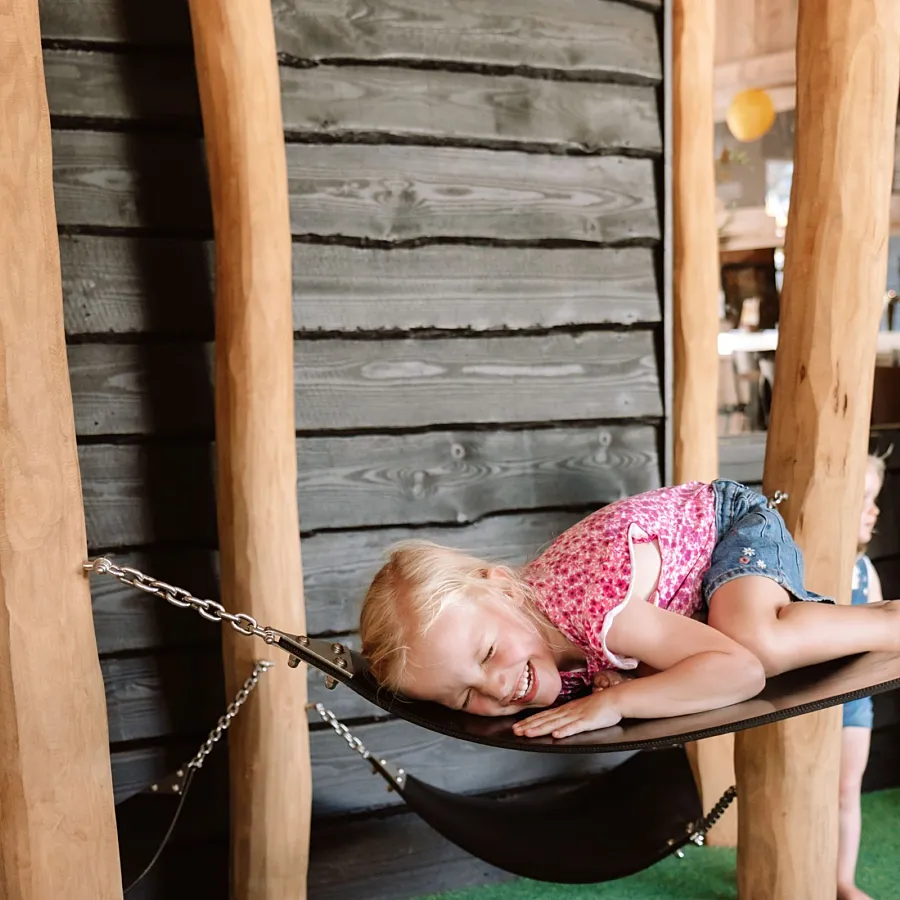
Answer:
(491, 651)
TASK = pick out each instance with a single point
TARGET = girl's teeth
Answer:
(524, 682)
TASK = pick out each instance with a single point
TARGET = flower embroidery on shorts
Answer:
(748, 551)
(744, 560)
(760, 563)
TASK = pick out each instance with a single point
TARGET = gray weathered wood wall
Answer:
(477, 207)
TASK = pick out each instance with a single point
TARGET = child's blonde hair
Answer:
(877, 463)
(419, 581)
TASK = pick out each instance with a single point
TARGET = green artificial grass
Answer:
(708, 873)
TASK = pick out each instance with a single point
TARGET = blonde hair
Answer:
(418, 582)
(877, 463)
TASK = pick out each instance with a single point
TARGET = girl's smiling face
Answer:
(485, 658)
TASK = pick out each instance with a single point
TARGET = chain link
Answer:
(699, 833)
(233, 708)
(777, 499)
(342, 730)
(209, 609)
(396, 778)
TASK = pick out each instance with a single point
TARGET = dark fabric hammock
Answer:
(605, 826)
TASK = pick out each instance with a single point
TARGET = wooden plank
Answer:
(384, 192)
(121, 87)
(587, 36)
(460, 106)
(115, 285)
(183, 692)
(162, 286)
(409, 103)
(410, 383)
(162, 23)
(343, 783)
(163, 493)
(584, 36)
(160, 695)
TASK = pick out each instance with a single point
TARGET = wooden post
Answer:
(57, 819)
(259, 534)
(848, 61)
(696, 316)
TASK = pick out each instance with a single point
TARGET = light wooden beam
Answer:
(775, 73)
(749, 228)
(57, 819)
(848, 63)
(259, 540)
(696, 317)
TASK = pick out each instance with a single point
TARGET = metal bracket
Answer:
(331, 657)
(171, 784)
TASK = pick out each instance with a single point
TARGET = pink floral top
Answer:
(583, 579)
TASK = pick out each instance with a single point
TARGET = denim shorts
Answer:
(753, 540)
(859, 713)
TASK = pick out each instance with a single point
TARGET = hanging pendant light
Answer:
(750, 115)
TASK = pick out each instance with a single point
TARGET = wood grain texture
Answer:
(343, 100)
(256, 459)
(695, 321)
(465, 106)
(182, 692)
(137, 494)
(696, 270)
(115, 285)
(341, 384)
(848, 75)
(383, 192)
(163, 23)
(121, 87)
(57, 826)
(344, 783)
(593, 36)
(586, 36)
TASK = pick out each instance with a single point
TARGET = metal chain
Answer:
(233, 708)
(209, 609)
(395, 777)
(713, 815)
(342, 730)
(778, 498)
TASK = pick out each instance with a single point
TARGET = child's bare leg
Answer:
(757, 612)
(854, 755)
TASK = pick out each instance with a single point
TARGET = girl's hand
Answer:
(583, 714)
(608, 678)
